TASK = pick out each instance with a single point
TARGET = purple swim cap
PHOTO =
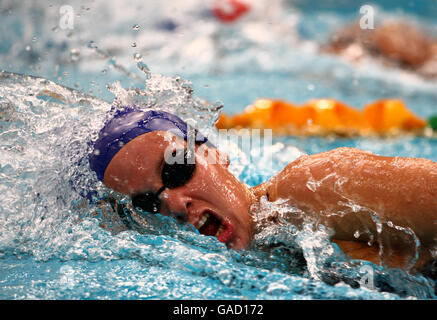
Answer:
(126, 125)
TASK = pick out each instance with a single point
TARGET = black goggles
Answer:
(173, 175)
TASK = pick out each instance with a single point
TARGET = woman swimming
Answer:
(391, 199)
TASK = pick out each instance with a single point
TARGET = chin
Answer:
(239, 242)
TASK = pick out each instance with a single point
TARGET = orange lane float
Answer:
(326, 116)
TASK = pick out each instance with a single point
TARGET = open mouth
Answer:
(210, 225)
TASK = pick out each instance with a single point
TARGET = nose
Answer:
(176, 203)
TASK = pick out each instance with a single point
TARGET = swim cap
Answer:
(127, 124)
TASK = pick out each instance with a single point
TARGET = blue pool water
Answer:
(53, 247)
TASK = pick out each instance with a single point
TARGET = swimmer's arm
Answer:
(347, 181)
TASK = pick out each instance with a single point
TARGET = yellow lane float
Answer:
(326, 116)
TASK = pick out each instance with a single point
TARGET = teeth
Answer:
(220, 230)
(202, 221)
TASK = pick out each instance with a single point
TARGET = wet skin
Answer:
(348, 189)
(402, 191)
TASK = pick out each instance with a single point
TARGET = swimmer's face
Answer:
(213, 200)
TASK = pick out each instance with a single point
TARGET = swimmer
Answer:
(394, 42)
(130, 157)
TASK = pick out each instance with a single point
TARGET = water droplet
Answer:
(74, 54)
(357, 234)
(310, 87)
(92, 45)
(34, 39)
(104, 71)
(143, 67)
(138, 57)
(134, 44)
(136, 27)
(217, 105)
(27, 48)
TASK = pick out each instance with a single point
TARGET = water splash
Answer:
(45, 132)
(312, 254)
(172, 94)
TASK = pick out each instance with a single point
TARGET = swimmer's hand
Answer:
(396, 258)
(113, 215)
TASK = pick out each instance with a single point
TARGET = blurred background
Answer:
(234, 51)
